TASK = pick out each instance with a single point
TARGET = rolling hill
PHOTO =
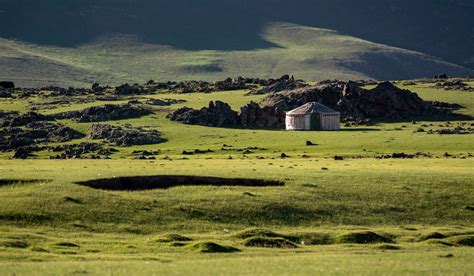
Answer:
(79, 42)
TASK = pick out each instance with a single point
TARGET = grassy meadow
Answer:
(416, 213)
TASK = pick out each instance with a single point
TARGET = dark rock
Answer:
(457, 85)
(105, 113)
(127, 89)
(339, 158)
(231, 84)
(309, 143)
(164, 102)
(21, 153)
(15, 120)
(7, 84)
(218, 114)
(125, 136)
(284, 83)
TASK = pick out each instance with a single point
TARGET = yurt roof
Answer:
(312, 107)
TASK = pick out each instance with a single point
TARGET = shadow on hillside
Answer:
(237, 25)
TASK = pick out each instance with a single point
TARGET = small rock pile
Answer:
(104, 113)
(125, 137)
(284, 83)
(454, 85)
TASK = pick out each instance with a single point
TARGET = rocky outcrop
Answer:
(454, 85)
(385, 101)
(17, 120)
(105, 113)
(125, 136)
(218, 114)
(7, 85)
(127, 89)
(36, 133)
(284, 83)
(164, 102)
(230, 84)
(253, 114)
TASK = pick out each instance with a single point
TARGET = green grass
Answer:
(308, 53)
(53, 226)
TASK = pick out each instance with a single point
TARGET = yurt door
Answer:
(315, 121)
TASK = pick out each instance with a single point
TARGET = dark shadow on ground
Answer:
(139, 183)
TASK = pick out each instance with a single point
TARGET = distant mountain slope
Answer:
(441, 28)
(182, 39)
(309, 53)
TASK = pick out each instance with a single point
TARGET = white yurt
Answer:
(313, 116)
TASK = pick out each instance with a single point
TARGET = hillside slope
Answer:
(438, 28)
(309, 53)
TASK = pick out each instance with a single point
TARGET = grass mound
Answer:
(261, 232)
(363, 237)
(14, 244)
(173, 238)
(431, 236)
(388, 247)
(212, 247)
(439, 242)
(269, 242)
(467, 240)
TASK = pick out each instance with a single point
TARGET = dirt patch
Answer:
(269, 242)
(211, 247)
(138, 183)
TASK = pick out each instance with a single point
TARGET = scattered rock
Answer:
(164, 102)
(284, 83)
